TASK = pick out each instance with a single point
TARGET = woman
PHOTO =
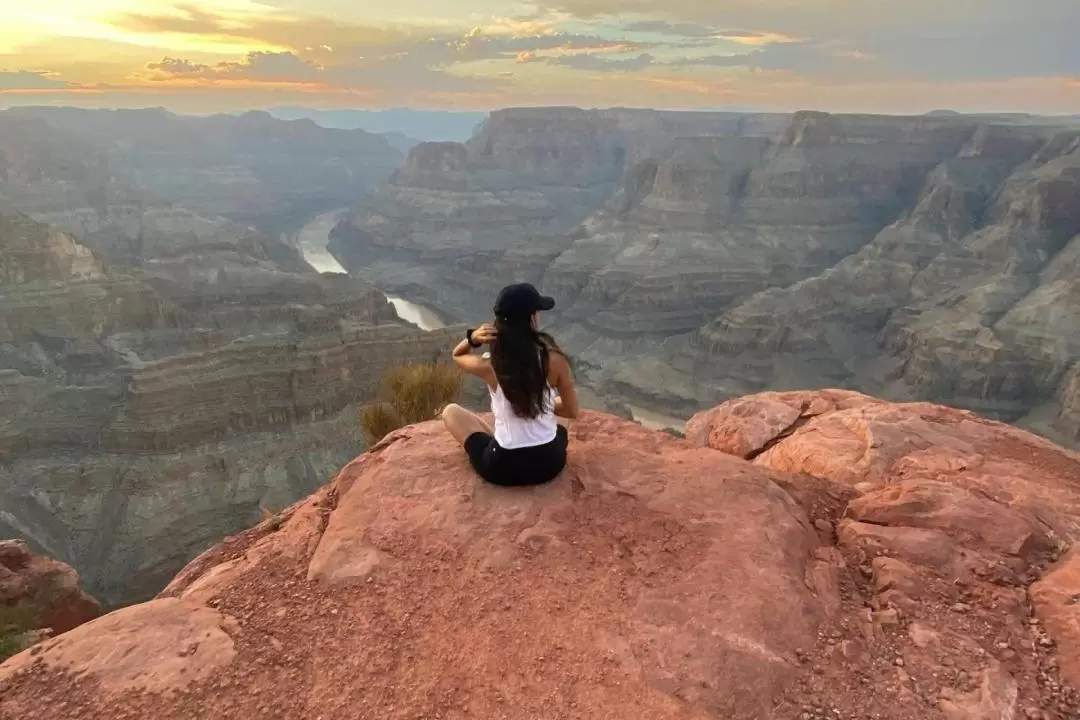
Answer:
(523, 371)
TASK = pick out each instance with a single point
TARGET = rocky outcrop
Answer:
(46, 589)
(700, 256)
(951, 509)
(869, 559)
(147, 412)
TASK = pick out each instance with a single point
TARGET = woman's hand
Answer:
(484, 334)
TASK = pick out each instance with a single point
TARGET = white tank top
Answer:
(513, 432)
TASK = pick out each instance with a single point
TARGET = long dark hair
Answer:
(519, 356)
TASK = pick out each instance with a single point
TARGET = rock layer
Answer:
(700, 256)
(147, 413)
(872, 559)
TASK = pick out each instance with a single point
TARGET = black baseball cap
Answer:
(521, 299)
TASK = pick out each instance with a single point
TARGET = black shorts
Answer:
(520, 466)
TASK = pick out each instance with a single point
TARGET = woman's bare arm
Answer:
(475, 364)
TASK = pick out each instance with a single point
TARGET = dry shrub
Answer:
(15, 622)
(378, 421)
(410, 394)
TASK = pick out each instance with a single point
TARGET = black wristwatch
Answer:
(468, 337)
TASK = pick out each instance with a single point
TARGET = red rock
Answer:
(745, 426)
(1056, 599)
(856, 439)
(48, 587)
(158, 646)
(897, 583)
(973, 520)
(994, 699)
(930, 548)
(656, 578)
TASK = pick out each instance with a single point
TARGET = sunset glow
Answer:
(231, 54)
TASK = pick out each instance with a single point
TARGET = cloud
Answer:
(28, 80)
(397, 75)
(751, 53)
(188, 18)
(257, 66)
(918, 39)
(262, 65)
(597, 63)
(326, 49)
(803, 58)
(266, 28)
(748, 34)
(393, 62)
(179, 67)
(664, 27)
(698, 31)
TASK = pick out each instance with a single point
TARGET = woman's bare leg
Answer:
(462, 423)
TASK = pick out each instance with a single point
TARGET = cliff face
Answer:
(799, 554)
(697, 256)
(970, 298)
(147, 411)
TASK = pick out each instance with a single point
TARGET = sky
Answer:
(201, 56)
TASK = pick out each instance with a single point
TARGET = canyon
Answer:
(146, 416)
(700, 256)
(183, 363)
(168, 374)
(180, 351)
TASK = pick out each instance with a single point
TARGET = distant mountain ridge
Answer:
(423, 125)
(251, 168)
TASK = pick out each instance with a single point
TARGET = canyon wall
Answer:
(148, 411)
(698, 256)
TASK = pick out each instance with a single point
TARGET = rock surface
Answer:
(48, 589)
(148, 410)
(701, 256)
(871, 560)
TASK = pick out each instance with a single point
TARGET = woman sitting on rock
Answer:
(530, 383)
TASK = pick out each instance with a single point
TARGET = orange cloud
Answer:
(756, 39)
(843, 55)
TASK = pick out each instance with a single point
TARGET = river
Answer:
(417, 315)
(312, 240)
